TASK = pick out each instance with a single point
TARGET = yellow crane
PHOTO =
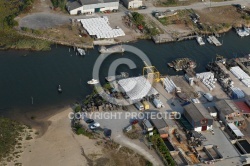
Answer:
(151, 72)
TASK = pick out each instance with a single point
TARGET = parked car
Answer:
(89, 121)
(95, 125)
(143, 7)
(139, 106)
(208, 96)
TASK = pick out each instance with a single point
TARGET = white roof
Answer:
(137, 87)
(100, 28)
(235, 129)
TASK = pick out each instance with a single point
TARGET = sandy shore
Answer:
(58, 145)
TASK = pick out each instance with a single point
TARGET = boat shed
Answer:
(198, 117)
(91, 6)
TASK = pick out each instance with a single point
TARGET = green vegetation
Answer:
(9, 133)
(80, 130)
(162, 148)
(139, 21)
(59, 3)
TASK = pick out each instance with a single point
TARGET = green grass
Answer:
(9, 132)
(10, 39)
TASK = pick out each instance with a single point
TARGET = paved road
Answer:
(200, 5)
(48, 19)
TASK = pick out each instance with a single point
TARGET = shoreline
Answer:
(91, 45)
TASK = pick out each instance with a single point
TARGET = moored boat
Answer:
(81, 51)
(93, 81)
(200, 40)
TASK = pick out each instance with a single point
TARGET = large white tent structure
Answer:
(137, 87)
(100, 28)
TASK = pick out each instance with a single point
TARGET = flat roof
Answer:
(226, 107)
(197, 111)
(243, 106)
(158, 121)
(235, 129)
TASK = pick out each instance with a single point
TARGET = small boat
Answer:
(209, 41)
(114, 49)
(200, 40)
(113, 78)
(81, 51)
(59, 89)
(93, 81)
(170, 65)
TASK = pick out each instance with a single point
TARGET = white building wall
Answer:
(197, 129)
(74, 12)
(210, 127)
(134, 4)
(102, 6)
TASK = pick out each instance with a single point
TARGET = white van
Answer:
(208, 96)
(157, 103)
(139, 106)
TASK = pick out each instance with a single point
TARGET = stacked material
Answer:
(137, 87)
(169, 85)
(100, 28)
(241, 75)
(207, 79)
(237, 93)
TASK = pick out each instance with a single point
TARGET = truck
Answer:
(146, 105)
(139, 106)
(147, 125)
(208, 96)
(157, 103)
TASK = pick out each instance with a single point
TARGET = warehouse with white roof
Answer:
(91, 6)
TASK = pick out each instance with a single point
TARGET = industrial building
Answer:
(198, 117)
(160, 124)
(229, 112)
(91, 6)
(130, 4)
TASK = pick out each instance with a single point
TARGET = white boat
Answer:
(200, 40)
(93, 81)
(81, 51)
(243, 32)
(114, 49)
(209, 41)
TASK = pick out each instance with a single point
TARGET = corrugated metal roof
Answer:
(235, 129)
(226, 107)
(158, 122)
(197, 112)
(88, 2)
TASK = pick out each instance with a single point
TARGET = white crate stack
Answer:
(207, 78)
(169, 85)
(241, 75)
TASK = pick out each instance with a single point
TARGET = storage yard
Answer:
(211, 142)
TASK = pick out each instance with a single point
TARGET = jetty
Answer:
(214, 40)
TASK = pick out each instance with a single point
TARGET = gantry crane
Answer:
(151, 72)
